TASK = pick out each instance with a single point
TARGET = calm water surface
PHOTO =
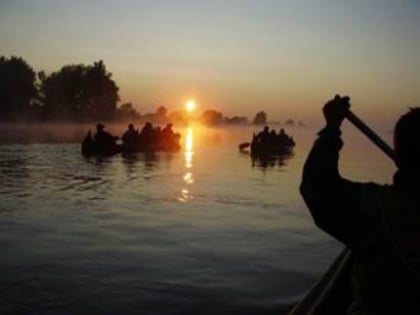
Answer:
(201, 231)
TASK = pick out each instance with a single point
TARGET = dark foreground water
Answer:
(201, 231)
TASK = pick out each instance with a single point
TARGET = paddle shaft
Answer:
(359, 124)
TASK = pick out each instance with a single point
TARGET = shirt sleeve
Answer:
(333, 201)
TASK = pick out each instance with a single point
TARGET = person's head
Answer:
(130, 127)
(281, 130)
(100, 127)
(407, 140)
(266, 129)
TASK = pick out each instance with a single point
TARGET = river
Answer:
(200, 231)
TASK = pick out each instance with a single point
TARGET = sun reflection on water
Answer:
(188, 177)
(189, 142)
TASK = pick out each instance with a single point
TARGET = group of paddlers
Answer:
(149, 137)
(272, 138)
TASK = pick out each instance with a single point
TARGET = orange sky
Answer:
(284, 57)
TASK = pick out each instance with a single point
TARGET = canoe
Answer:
(258, 149)
(331, 294)
(266, 148)
(90, 147)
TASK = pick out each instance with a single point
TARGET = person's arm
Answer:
(333, 201)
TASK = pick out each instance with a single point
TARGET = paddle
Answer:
(242, 146)
(359, 124)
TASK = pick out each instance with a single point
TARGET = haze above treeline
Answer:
(80, 93)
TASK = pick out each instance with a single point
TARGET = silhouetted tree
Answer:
(17, 88)
(212, 117)
(237, 120)
(290, 122)
(79, 92)
(177, 117)
(101, 92)
(160, 115)
(62, 92)
(260, 118)
(126, 112)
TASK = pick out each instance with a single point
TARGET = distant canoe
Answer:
(271, 146)
(90, 147)
(332, 293)
(259, 149)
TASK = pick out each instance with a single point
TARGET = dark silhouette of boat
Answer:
(257, 148)
(90, 147)
(267, 149)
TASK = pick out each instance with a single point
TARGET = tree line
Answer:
(80, 93)
(74, 93)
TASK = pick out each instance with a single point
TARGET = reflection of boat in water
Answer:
(332, 293)
(260, 149)
(92, 147)
(264, 161)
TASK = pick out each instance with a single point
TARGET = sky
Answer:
(237, 56)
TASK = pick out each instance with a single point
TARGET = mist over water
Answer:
(200, 231)
(29, 133)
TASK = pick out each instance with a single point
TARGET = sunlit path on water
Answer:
(188, 178)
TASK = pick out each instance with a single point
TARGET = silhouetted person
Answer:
(147, 134)
(157, 133)
(103, 137)
(264, 136)
(168, 133)
(379, 223)
(168, 137)
(273, 137)
(130, 136)
(283, 138)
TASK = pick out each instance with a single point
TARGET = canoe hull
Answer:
(267, 150)
(90, 147)
(332, 293)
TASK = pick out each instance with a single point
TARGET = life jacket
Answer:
(386, 270)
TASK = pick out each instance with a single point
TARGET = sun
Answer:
(190, 106)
